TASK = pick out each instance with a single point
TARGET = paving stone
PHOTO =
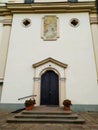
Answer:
(66, 128)
(37, 127)
(93, 127)
(53, 127)
(76, 129)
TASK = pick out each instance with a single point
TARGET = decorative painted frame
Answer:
(50, 28)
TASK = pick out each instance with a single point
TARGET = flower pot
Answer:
(29, 107)
(67, 108)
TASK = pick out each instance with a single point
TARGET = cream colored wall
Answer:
(94, 28)
(1, 33)
(5, 27)
(74, 47)
(16, 1)
(1, 28)
(4, 44)
(3, 1)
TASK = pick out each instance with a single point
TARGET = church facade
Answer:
(49, 49)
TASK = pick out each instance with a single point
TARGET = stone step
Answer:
(46, 115)
(71, 116)
(47, 112)
(45, 120)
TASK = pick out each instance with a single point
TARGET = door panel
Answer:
(49, 88)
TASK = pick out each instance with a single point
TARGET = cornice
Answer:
(59, 7)
(93, 20)
(50, 60)
(7, 20)
(4, 10)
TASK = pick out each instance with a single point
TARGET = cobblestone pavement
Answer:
(90, 117)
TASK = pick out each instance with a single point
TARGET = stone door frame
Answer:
(43, 66)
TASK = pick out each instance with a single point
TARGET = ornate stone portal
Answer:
(58, 68)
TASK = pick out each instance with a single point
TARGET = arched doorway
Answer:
(49, 88)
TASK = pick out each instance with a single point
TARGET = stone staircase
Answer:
(46, 115)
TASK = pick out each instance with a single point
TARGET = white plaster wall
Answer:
(3, 1)
(1, 29)
(74, 47)
(94, 28)
(19, 1)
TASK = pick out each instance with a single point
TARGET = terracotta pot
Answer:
(29, 107)
(67, 108)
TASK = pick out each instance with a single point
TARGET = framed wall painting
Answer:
(50, 30)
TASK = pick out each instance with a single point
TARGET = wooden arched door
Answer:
(49, 88)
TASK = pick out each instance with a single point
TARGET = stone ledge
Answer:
(50, 7)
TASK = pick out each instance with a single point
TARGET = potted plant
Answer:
(29, 104)
(67, 103)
